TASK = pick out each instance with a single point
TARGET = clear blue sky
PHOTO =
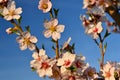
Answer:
(14, 63)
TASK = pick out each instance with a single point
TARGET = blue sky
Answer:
(14, 63)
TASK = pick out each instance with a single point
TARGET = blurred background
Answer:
(15, 64)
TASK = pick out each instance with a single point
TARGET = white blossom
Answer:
(53, 29)
(26, 41)
(11, 12)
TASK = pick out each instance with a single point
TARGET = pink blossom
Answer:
(45, 5)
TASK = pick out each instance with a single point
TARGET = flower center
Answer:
(27, 41)
(71, 78)
(67, 62)
(108, 74)
(38, 59)
(78, 64)
(45, 6)
(95, 30)
(90, 73)
(11, 13)
(52, 28)
(45, 65)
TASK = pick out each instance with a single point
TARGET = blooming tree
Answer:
(67, 65)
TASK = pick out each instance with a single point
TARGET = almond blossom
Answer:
(42, 64)
(108, 71)
(45, 5)
(95, 30)
(45, 67)
(27, 41)
(37, 58)
(66, 61)
(80, 64)
(71, 76)
(53, 29)
(11, 12)
(90, 73)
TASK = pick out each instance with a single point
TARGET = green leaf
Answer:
(53, 47)
(1, 15)
(56, 12)
(73, 46)
(71, 68)
(33, 69)
(105, 46)
(106, 34)
(27, 28)
(116, 76)
(43, 47)
(14, 31)
(53, 41)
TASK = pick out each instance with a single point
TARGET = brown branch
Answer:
(57, 49)
(111, 10)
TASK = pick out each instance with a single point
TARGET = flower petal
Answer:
(16, 16)
(49, 72)
(33, 39)
(35, 55)
(23, 46)
(60, 28)
(20, 39)
(47, 33)
(8, 17)
(18, 11)
(60, 62)
(41, 52)
(26, 34)
(5, 11)
(56, 36)
(11, 6)
(31, 46)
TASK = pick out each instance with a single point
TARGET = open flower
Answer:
(66, 61)
(45, 5)
(38, 58)
(45, 68)
(90, 72)
(80, 64)
(95, 30)
(26, 41)
(53, 29)
(108, 71)
(11, 12)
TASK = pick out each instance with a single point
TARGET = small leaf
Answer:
(71, 68)
(106, 34)
(1, 15)
(53, 47)
(73, 46)
(15, 31)
(56, 12)
(53, 41)
(116, 76)
(105, 46)
(33, 69)
(43, 47)
(27, 28)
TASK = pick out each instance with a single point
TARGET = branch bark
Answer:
(111, 10)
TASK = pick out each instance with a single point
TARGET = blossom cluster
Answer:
(66, 65)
